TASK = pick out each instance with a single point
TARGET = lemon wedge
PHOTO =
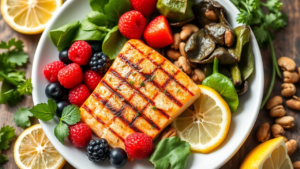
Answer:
(29, 16)
(271, 154)
(206, 123)
(33, 150)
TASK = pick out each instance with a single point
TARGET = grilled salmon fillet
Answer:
(141, 92)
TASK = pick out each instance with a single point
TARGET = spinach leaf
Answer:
(89, 26)
(246, 64)
(115, 8)
(62, 37)
(89, 35)
(4, 88)
(113, 43)
(98, 5)
(171, 151)
(97, 18)
(224, 86)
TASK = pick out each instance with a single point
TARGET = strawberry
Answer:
(146, 7)
(132, 24)
(158, 33)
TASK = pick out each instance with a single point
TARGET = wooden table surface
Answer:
(287, 44)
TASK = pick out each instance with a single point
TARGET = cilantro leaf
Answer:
(12, 97)
(244, 17)
(7, 133)
(276, 21)
(25, 88)
(44, 111)
(18, 76)
(71, 115)
(18, 57)
(5, 65)
(61, 131)
(21, 117)
(166, 151)
(3, 159)
(18, 45)
(261, 34)
(274, 5)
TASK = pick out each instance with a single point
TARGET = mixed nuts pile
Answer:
(276, 108)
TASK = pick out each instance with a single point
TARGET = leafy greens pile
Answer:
(262, 25)
(100, 25)
(14, 84)
(7, 133)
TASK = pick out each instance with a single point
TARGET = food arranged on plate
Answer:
(131, 68)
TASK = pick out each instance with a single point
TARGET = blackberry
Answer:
(99, 62)
(97, 150)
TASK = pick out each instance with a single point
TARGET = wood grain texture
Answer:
(287, 44)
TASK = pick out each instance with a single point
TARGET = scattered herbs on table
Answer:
(7, 134)
(263, 25)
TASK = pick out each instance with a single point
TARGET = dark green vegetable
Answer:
(224, 86)
(113, 43)
(207, 69)
(98, 18)
(223, 55)
(116, 8)
(236, 75)
(171, 153)
(217, 31)
(89, 35)
(246, 63)
(199, 46)
(242, 34)
(62, 37)
(242, 89)
(89, 26)
(176, 11)
(181, 23)
(98, 5)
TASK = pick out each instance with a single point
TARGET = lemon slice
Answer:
(271, 154)
(29, 16)
(204, 124)
(33, 150)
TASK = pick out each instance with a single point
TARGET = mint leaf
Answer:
(113, 43)
(62, 37)
(171, 151)
(61, 131)
(7, 133)
(115, 8)
(25, 88)
(71, 115)
(18, 57)
(21, 117)
(44, 111)
(3, 159)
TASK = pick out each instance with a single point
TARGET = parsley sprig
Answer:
(7, 134)
(14, 84)
(263, 24)
(46, 112)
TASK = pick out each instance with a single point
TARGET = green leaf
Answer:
(244, 17)
(44, 111)
(246, 64)
(115, 8)
(89, 26)
(21, 117)
(171, 151)
(93, 35)
(18, 57)
(18, 76)
(5, 88)
(62, 37)
(276, 21)
(13, 97)
(71, 115)
(3, 159)
(7, 133)
(242, 37)
(97, 18)
(61, 131)
(274, 5)
(25, 88)
(5, 65)
(98, 5)
(261, 34)
(224, 86)
(18, 45)
(113, 43)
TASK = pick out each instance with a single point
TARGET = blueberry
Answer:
(96, 46)
(60, 107)
(54, 91)
(63, 56)
(118, 157)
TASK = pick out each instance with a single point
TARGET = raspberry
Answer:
(146, 7)
(51, 70)
(80, 52)
(138, 145)
(91, 79)
(70, 75)
(79, 134)
(79, 94)
(132, 24)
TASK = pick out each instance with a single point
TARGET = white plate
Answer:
(242, 120)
